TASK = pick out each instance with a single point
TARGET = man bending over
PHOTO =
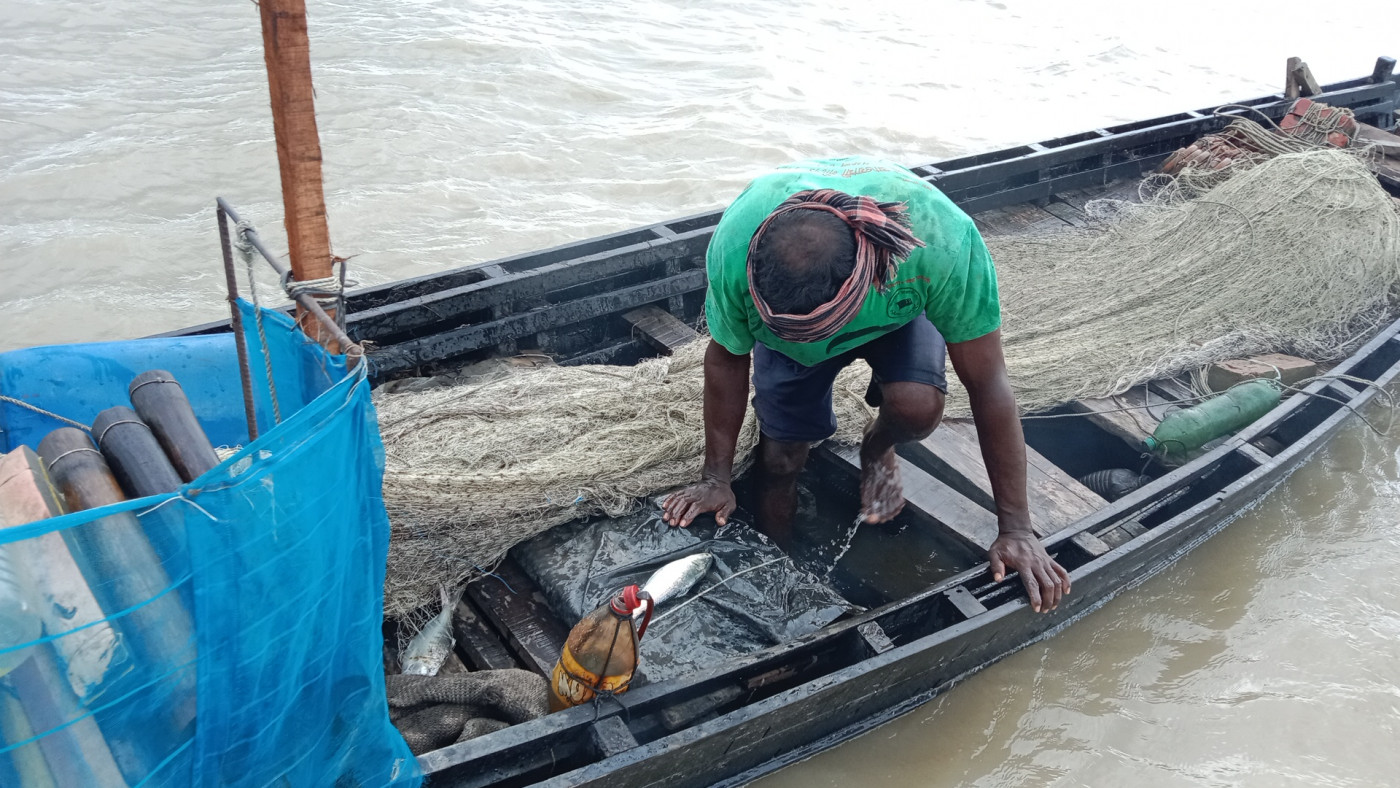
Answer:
(826, 261)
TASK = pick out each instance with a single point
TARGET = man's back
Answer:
(950, 278)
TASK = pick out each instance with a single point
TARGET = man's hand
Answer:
(707, 495)
(1046, 582)
(726, 397)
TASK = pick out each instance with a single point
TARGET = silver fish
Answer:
(429, 648)
(676, 578)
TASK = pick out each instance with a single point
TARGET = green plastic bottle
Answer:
(1190, 428)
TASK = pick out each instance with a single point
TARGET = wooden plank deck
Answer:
(930, 499)
(953, 453)
(479, 645)
(661, 329)
(515, 606)
(1024, 219)
(1387, 165)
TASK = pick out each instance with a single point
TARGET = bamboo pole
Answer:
(287, 52)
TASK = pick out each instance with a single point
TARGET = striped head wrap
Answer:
(883, 239)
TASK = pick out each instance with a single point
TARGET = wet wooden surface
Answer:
(930, 499)
(515, 606)
(480, 647)
(1387, 164)
(954, 453)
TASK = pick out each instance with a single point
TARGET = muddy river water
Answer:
(457, 131)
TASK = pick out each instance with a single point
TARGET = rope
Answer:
(245, 251)
(22, 404)
(1389, 399)
(103, 433)
(328, 291)
(78, 450)
(154, 380)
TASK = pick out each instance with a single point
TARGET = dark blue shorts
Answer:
(793, 402)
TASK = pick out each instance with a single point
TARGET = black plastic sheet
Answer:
(579, 566)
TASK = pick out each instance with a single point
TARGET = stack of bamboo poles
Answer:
(100, 593)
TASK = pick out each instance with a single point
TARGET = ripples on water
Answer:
(1270, 656)
(457, 132)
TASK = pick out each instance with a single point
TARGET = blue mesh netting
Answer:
(245, 648)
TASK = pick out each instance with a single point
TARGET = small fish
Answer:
(429, 648)
(676, 578)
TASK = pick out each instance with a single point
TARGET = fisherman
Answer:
(825, 261)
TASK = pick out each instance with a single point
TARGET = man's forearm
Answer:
(1004, 452)
(726, 398)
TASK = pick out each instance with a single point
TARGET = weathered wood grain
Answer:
(661, 329)
(932, 500)
(514, 604)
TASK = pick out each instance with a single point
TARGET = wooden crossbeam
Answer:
(480, 646)
(931, 500)
(515, 606)
(660, 328)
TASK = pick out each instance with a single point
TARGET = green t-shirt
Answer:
(950, 278)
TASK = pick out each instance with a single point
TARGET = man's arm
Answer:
(982, 370)
(726, 398)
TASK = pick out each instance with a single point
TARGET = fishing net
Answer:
(1294, 252)
(475, 468)
(1299, 254)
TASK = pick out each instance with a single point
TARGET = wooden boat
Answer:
(626, 296)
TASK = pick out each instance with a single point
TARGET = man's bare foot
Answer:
(881, 493)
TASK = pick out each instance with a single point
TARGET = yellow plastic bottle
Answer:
(600, 654)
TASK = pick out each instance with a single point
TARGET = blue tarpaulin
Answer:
(272, 583)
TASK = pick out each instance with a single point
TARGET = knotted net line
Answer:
(1296, 253)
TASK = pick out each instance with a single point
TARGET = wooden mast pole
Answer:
(287, 52)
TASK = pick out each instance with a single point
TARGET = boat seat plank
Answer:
(1123, 532)
(1387, 165)
(874, 637)
(1023, 219)
(965, 602)
(1124, 415)
(1258, 456)
(661, 329)
(1173, 390)
(481, 648)
(516, 607)
(1067, 213)
(930, 499)
(611, 736)
(453, 665)
(953, 452)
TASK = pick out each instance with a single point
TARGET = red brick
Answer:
(1290, 369)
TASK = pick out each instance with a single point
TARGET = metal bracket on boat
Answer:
(611, 736)
(874, 636)
(965, 602)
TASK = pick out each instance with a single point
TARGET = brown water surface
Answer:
(456, 132)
